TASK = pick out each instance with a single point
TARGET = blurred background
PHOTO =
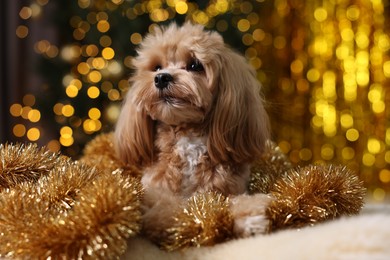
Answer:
(324, 66)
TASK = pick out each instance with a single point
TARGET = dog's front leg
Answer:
(159, 208)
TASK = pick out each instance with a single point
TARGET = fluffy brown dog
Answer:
(193, 121)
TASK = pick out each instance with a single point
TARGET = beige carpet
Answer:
(365, 237)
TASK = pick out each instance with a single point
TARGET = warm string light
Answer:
(325, 67)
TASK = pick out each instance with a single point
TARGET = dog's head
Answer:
(186, 75)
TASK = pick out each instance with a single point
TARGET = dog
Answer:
(193, 121)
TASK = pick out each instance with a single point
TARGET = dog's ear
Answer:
(134, 132)
(239, 124)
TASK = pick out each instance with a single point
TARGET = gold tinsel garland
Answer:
(73, 211)
(204, 221)
(16, 167)
(52, 206)
(272, 165)
(314, 194)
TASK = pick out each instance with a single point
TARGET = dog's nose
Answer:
(162, 80)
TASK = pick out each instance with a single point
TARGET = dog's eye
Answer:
(157, 68)
(195, 65)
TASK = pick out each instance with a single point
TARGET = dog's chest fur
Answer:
(191, 150)
(183, 166)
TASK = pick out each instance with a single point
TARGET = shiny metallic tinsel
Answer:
(20, 163)
(205, 221)
(73, 211)
(100, 153)
(272, 165)
(313, 194)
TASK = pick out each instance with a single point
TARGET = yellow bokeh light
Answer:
(135, 38)
(113, 94)
(16, 110)
(384, 175)
(71, 91)
(329, 84)
(67, 110)
(77, 83)
(29, 100)
(99, 63)
(342, 52)
(384, 42)
(108, 53)
(243, 25)
(353, 12)
(19, 130)
(284, 146)
(313, 75)
(91, 126)
(101, 15)
(112, 113)
(320, 14)
(222, 25)
(114, 67)
(302, 85)
(22, 31)
(250, 53)
(34, 115)
(94, 76)
(373, 146)
(362, 40)
(57, 109)
(53, 146)
(93, 92)
(327, 152)
(347, 34)
(305, 154)
(352, 135)
(181, 7)
(386, 69)
(83, 68)
(387, 138)
(91, 50)
(378, 107)
(33, 134)
(25, 13)
(296, 66)
(94, 113)
(362, 77)
(66, 131)
(25, 111)
(375, 93)
(346, 121)
(348, 153)
(123, 84)
(105, 41)
(117, 2)
(159, 15)
(103, 26)
(368, 159)
(256, 63)
(106, 86)
(258, 35)
(66, 141)
(280, 42)
(247, 39)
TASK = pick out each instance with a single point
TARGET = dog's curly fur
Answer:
(193, 121)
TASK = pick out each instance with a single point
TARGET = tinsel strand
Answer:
(204, 221)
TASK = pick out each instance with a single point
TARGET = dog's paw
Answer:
(250, 226)
(249, 214)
